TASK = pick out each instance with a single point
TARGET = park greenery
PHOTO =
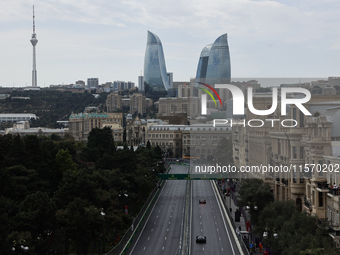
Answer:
(54, 191)
(50, 105)
(298, 233)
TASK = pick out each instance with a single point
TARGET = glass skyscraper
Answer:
(214, 67)
(203, 64)
(214, 63)
(155, 75)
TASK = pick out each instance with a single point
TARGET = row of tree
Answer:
(297, 232)
(54, 192)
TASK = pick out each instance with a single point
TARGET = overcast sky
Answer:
(107, 39)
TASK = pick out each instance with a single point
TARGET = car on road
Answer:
(201, 239)
(202, 201)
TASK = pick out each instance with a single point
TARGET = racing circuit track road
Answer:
(162, 231)
(209, 220)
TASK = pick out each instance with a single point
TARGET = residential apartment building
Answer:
(200, 140)
(196, 141)
(80, 125)
(167, 137)
(92, 83)
(306, 149)
(137, 102)
(185, 90)
(170, 105)
(122, 85)
(136, 129)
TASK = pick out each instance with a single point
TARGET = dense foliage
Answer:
(298, 233)
(50, 105)
(54, 190)
(255, 194)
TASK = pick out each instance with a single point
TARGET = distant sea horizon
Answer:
(269, 82)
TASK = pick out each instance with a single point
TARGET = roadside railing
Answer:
(239, 236)
(119, 248)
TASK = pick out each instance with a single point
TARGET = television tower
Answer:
(34, 42)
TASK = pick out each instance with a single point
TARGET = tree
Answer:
(296, 230)
(100, 141)
(37, 216)
(54, 191)
(254, 192)
(81, 222)
(64, 161)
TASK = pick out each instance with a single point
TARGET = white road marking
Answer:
(144, 248)
(151, 230)
(148, 238)
(163, 248)
(225, 226)
(169, 222)
(165, 238)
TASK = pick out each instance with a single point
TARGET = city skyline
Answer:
(34, 42)
(155, 73)
(266, 38)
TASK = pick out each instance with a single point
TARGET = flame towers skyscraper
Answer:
(214, 66)
(156, 78)
(34, 42)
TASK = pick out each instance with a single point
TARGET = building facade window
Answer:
(301, 152)
(294, 113)
(320, 199)
(294, 151)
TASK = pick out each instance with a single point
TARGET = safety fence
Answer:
(239, 236)
(126, 240)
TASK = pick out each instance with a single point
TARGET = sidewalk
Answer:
(231, 202)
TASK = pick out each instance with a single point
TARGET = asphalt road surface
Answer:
(162, 231)
(208, 220)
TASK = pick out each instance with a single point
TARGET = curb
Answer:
(228, 220)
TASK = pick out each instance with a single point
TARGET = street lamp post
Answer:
(249, 207)
(100, 235)
(22, 245)
(267, 235)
